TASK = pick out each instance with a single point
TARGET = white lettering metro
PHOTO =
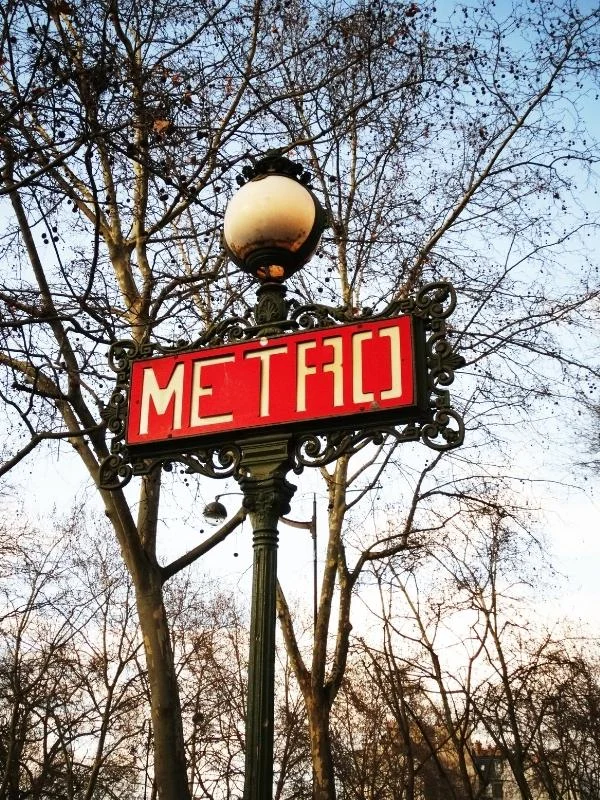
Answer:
(265, 374)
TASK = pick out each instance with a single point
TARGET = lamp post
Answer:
(272, 226)
(311, 526)
(350, 379)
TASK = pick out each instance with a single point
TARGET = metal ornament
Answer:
(274, 315)
(261, 462)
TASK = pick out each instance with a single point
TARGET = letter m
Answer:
(161, 397)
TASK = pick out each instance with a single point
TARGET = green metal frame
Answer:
(432, 419)
(261, 461)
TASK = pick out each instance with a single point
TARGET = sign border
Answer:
(432, 419)
(417, 410)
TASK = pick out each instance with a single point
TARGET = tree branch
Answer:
(176, 566)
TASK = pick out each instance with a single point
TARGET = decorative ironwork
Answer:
(218, 461)
(311, 450)
(274, 162)
(274, 316)
(314, 315)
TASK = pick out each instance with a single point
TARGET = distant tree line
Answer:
(406, 725)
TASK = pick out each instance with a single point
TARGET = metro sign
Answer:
(309, 381)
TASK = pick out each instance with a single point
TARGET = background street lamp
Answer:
(311, 526)
(215, 512)
(272, 226)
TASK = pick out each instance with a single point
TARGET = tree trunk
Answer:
(320, 744)
(169, 752)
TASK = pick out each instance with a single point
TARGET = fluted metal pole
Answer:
(267, 496)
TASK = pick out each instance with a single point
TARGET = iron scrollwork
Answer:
(117, 469)
(443, 429)
(312, 450)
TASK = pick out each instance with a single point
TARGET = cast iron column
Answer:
(267, 495)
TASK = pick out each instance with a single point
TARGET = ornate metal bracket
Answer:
(274, 161)
(273, 316)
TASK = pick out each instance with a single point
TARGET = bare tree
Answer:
(440, 148)
(566, 688)
(439, 175)
(458, 625)
(70, 682)
(210, 643)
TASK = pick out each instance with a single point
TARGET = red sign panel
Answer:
(293, 380)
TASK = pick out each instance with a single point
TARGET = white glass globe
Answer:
(269, 212)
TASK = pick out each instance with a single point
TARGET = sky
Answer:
(570, 518)
(568, 522)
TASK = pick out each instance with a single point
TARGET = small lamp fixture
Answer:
(215, 513)
(273, 223)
